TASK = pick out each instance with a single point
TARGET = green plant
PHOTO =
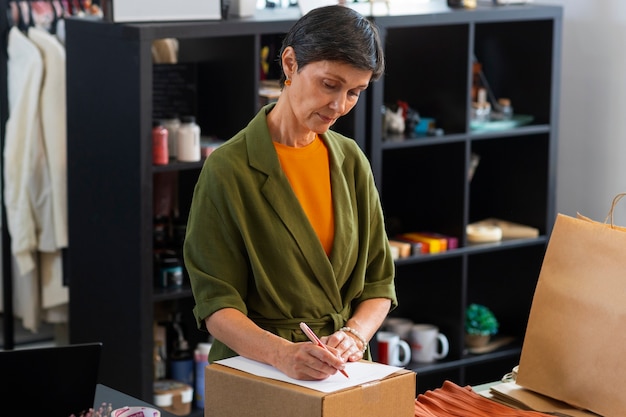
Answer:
(480, 320)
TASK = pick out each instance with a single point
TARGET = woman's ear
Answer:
(289, 63)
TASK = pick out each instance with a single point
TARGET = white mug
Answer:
(392, 350)
(400, 326)
(427, 344)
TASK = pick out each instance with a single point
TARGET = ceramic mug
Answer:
(400, 326)
(427, 344)
(392, 350)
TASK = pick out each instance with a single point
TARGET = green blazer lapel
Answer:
(345, 241)
(280, 196)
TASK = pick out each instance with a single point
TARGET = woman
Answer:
(286, 224)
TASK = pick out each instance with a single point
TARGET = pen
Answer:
(313, 338)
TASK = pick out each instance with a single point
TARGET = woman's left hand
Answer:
(347, 347)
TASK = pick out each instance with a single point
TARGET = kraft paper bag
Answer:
(575, 344)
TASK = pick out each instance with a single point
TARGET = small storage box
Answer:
(173, 396)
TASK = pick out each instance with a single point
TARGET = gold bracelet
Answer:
(357, 335)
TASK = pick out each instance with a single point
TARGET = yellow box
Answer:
(233, 393)
(435, 244)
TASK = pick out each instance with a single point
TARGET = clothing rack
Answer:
(71, 7)
(7, 273)
(8, 315)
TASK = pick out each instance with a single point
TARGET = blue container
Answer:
(182, 370)
(201, 357)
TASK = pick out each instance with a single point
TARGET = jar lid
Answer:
(505, 102)
(188, 119)
(482, 106)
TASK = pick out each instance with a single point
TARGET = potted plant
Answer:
(480, 325)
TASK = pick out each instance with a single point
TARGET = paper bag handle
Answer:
(616, 200)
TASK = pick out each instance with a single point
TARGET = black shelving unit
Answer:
(423, 182)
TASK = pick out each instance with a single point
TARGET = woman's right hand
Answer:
(309, 362)
(304, 361)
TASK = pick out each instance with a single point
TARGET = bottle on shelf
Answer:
(168, 269)
(201, 358)
(188, 140)
(160, 151)
(481, 108)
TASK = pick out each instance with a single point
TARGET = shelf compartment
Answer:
(505, 281)
(516, 58)
(224, 81)
(438, 86)
(423, 189)
(510, 181)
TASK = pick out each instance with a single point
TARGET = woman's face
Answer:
(323, 91)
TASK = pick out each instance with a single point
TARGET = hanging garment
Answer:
(26, 187)
(53, 109)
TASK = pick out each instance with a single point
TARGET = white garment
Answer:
(25, 72)
(28, 188)
(53, 110)
(27, 193)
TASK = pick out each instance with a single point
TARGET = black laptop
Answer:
(50, 381)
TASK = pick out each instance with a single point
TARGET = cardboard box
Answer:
(233, 393)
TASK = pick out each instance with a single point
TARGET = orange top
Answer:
(308, 172)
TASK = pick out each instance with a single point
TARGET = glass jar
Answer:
(506, 110)
(481, 112)
(188, 138)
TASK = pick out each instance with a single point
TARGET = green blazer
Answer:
(250, 246)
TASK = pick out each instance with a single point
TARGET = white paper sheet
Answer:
(359, 372)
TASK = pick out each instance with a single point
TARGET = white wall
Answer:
(592, 129)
